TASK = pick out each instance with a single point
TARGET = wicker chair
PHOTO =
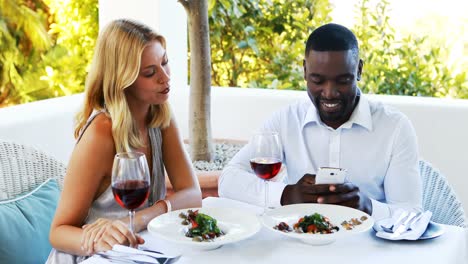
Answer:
(23, 168)
(440, 198)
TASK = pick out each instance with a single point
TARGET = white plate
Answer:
(337, 214)
(433, 230)
(235, 223)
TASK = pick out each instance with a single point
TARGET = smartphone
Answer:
(329, 175)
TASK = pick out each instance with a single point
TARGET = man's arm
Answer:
(402, 183)
(239, 182)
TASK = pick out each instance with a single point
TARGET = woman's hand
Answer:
(103, 234)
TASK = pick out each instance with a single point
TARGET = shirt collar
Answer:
(311, 116)
(360, 116)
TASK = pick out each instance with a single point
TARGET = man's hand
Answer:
(103, 234)
(306, 191)
(300, 192)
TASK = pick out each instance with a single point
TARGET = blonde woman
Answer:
(125, 109)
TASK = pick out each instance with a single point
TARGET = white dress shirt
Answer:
(377, 146)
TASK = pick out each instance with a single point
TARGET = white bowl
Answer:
(235, 223)
(290, 214)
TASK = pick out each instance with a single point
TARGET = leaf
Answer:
(211, 6)
(253, 44)
(226, 4)
(242, 44)
(249, 29)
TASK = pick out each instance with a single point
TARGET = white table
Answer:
(268, 247)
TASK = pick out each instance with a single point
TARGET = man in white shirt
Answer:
(335, 127)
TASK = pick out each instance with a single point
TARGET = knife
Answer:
(123, 260)
(403, 226)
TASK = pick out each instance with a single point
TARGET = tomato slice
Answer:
(194, 224)
(311, 229)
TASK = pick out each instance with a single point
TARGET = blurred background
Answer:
(410, 47)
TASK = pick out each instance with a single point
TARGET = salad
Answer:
(202, 227)
(315, 224)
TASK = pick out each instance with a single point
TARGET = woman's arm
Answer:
(88, 175)
(179, 169)
(187, 194)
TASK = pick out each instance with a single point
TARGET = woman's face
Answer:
(152, 84)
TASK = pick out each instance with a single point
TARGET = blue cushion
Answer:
(25, 224)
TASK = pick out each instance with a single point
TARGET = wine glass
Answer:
(130, 181)
(266, 158)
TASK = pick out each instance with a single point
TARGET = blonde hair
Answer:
(115, 66)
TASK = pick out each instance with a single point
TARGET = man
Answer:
(336, 127)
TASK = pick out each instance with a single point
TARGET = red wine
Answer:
(265, 168)
(130, 194)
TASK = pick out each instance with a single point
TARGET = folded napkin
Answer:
(124, 253)
(416, 224)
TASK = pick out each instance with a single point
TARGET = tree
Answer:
(412, 65)
(23, 38)
(200, 80)
(261, 43)
(45, 48)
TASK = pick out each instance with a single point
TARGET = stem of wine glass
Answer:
(265, 205)
(131, 214)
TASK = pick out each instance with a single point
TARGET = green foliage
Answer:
(261, 43)
(46, 47)
(23, 37)
(76, 28)
(411, 66)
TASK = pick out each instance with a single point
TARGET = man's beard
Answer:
(327, 114)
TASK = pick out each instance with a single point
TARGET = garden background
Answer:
(46, 46)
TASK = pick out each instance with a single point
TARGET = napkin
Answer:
(129, 253)
(413, 231)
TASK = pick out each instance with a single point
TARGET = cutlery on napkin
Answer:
(114, 259)
(403, 225)
(138, 256)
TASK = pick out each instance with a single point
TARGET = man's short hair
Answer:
(332, 37)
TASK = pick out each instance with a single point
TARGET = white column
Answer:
(165, 16)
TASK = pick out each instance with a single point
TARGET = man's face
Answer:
(331, 78)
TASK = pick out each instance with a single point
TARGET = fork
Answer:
(149, 250)
(403, 226)
(406, 226)
(125, 257)
(402, 217)
(114, 259)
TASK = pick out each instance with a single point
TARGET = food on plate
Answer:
(202, 227)
(315, 224)
(350, 224)
(282, 226)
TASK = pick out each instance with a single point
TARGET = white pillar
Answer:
(165, 16)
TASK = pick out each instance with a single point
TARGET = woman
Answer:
(125, 109)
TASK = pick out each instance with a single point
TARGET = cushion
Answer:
(25, 224)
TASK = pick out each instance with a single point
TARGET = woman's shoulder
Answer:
(102, 122)
(99, 130)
